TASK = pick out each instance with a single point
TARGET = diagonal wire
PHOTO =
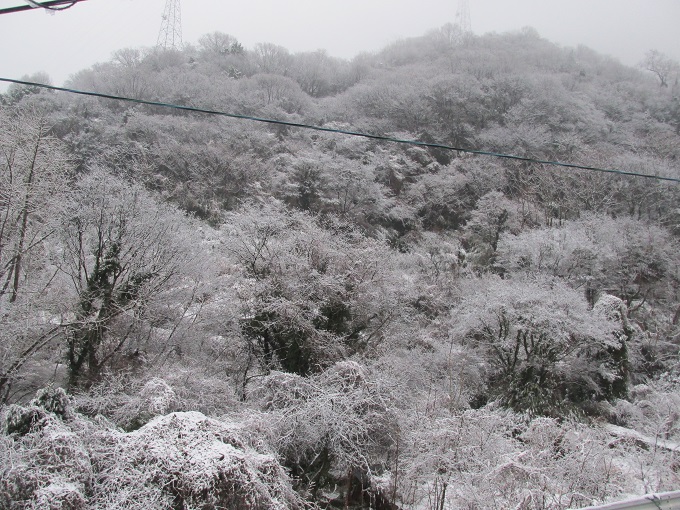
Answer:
(344, 132)
(53, 5)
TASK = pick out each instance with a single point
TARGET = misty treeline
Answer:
(201, 312)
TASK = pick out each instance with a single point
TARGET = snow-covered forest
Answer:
(199, 312)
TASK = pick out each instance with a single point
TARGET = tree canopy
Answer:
(202, 312)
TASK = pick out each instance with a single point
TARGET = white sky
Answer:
(91, 31)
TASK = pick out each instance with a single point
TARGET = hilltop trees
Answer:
(663, 67)
(219, 43)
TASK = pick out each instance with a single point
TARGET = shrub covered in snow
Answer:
(155, 398)
(179, 460)
(187, 460)
(23, 419)
(326, 425)
(44, 463)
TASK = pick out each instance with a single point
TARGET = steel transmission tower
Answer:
(170, 36)
(463, 16)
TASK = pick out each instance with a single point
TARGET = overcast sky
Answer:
(91, 31)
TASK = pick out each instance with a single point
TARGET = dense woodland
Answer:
(199, 312)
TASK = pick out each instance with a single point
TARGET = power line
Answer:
(53, 5)
(343, 131)
(33, 3)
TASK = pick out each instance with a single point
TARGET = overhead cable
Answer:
(52, 5)
(344, 132)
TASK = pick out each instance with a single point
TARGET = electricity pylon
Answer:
(463, 16)
(170, 36)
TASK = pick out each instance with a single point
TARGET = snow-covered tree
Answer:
(315, 295)
(34, 175)
(122, 250)
(545, 352)
(34, 180)
(663, 67)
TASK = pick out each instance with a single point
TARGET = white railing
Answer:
(660, 501)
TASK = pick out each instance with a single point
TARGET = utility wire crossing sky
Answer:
(51, 5)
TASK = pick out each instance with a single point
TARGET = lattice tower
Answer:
(170, 36)
(463, 16)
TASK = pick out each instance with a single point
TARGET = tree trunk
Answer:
(16, 266)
